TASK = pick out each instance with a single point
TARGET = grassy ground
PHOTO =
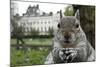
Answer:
(33, 57)
(41, 41)
(20, 57)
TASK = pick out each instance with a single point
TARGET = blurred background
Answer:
(32, 26)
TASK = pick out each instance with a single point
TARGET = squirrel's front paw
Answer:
(67, 54)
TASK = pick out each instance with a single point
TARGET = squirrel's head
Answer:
(68, 28)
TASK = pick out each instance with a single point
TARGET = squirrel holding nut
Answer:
(70, 43)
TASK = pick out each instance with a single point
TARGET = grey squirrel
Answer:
(70, 43)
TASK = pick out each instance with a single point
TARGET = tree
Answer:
(17, 31)
(69, 11)
(87, 20)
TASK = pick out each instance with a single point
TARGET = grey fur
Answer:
(77, 50)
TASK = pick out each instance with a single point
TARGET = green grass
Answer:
(33, 57)
(20, 57)
(41, 41)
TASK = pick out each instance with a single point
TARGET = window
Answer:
(28, 29)
(45, 29)
(30, 23)
(41, 29)
(31, 28)
(21, 24)
(27, 23)
(41, 22)
(33, 22)
(24, 23)
(37, 28)
(45, 22)
(37, 22)
(48, 22)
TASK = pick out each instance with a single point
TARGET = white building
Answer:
(42, 24)
(33, 19)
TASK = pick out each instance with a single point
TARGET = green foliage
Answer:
(17, 30)
(50, 31)
(34, 32)
(69, 11)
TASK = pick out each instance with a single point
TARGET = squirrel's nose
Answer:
(67, 36)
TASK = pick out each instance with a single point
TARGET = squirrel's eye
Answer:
(77, 25)
(58, 25)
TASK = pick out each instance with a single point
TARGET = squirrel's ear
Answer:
(77, 15)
